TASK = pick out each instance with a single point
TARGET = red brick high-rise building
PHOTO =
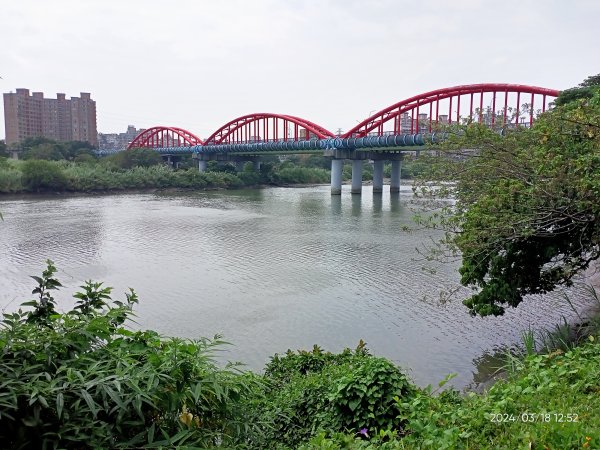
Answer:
(60, 119)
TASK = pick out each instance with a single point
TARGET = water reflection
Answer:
(377, 203)
(336, 205)
(356, 204)
(395, 204)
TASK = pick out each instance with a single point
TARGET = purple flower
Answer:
(364, 432)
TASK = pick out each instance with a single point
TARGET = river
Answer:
(270, 269)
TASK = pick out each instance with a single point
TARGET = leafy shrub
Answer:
(11, 180)
(363, 440)
(84, 158)
(82, 380)
(47, 151)
(136, 157)
(298, 175)
(190, 178)
(41, 175)
(249, 177)
(312, 391)
(222, 180)
(282, 369)
(214, 166)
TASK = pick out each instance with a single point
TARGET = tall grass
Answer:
(564, 336)
(84, 177)
(11, 180)
(303, 175)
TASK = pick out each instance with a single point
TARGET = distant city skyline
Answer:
(200, 64)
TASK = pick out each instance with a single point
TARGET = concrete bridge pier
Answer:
(202, 165)
(357, 166)
(336, 176)
(256, 165)
(395, 176)
(377, 176)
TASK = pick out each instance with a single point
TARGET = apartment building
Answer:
(57, 118)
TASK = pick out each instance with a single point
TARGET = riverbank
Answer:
(118, 387)
(117, 173)
(40, 176)
(547, 402)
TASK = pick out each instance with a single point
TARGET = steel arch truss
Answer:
(162, 137)
(267, 127)
(496, 105)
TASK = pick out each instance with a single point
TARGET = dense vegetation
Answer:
(527, 216)
(84, 379)
(49, 166)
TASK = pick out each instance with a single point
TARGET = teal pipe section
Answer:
(367, 142)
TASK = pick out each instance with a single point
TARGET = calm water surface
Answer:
(268, 269)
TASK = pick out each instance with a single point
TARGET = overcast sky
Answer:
(197, 64)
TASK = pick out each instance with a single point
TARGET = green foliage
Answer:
(416, 167)
(214, 166)
(302, 175)
(548, 402)
(84, 158)
(136, 157)
(526, 213)
(39, 175)
(585, 90)
(537, 406)
(363, 397)
(31, 142)
(81, 379)
(75, 168)
(282, 369)
(10, 178)
(312, 160)
(249, 177)
(50, 150)
(42, 176)
(384, 440)
(46, 151)
(317, 390)
(347, 172)
(44, 305)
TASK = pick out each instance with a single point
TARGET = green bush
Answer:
(191, 178)
(302, 175)
(39, 175)
(85, 158)
(136, 157)
(11, 180)
(46, 151)
(83, 380)
(249, 178)
(312, 391)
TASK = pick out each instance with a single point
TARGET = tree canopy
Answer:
(50, 150)
(527, 205)
(136, 157)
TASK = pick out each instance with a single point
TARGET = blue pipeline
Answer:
(388, 141)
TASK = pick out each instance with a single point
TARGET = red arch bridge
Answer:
(385, 135)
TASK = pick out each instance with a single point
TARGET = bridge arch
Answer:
(410, 116)
(162, 137)
(261, 127)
